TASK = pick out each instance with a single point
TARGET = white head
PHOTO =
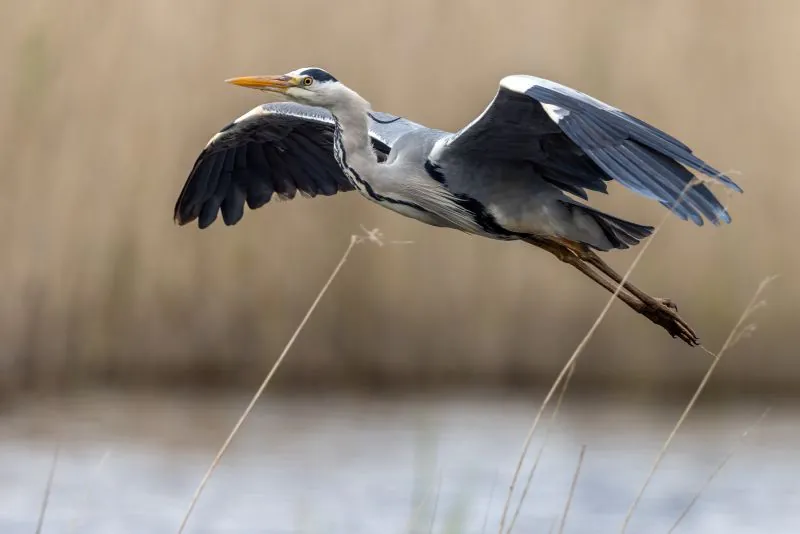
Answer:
(310, 85)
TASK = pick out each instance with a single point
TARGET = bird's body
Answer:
(516, 172)
(404, 181)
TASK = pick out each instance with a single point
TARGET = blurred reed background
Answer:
(104, 104)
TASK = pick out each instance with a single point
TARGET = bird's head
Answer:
(311, 86)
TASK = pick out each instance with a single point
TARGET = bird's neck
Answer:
(352, 143)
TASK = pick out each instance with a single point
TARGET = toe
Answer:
(669, 303)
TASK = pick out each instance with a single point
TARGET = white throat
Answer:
(352, 143)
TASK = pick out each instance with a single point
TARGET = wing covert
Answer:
(276, 149)
(577, 143)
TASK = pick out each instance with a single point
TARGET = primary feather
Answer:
(520, 168)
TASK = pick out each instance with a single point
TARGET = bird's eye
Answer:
(308, 80)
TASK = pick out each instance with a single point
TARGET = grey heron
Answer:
(516, 172)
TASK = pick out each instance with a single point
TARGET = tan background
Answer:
(104, 104)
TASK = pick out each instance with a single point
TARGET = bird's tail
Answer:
(619, 233)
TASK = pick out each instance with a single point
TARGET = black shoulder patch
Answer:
(485, 219)
(319, 75)
(435, 172)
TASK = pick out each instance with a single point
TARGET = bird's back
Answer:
(415, 146)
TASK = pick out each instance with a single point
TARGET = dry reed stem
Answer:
(77, 519)
(416, 516)
(489, 504)
(541, 451)
(48, 488)
(373, 236)
(568, 367)
(572, 490)
(436, 503)
(420, 508)
(718, 469)
(734, 336)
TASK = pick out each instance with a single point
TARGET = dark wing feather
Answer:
(577, 143)
(639, 156)
(515, 128)
(276, 148)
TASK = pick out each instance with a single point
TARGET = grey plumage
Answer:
(519, 171)
(275, 149)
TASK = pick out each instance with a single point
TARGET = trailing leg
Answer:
(661, 312)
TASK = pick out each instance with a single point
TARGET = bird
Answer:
(521, 170)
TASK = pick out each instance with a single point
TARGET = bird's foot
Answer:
(663, 312)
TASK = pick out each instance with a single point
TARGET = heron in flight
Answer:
(516, 172)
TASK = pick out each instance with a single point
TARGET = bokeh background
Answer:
(104, 105)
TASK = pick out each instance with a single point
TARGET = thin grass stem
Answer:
(541, 450)
(568, 367)
(716, 471)
(732, 338)
(48, 489)
(489, 504)
(76, 521)
(572, 490)
(436, 503)
(374, 236)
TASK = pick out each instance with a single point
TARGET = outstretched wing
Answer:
(578, 143)
(274, 149)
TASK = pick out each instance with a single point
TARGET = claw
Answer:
(664, 314)
(669, 303)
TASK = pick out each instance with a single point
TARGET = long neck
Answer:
(352, 143)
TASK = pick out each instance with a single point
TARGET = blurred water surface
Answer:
(105, 104)
(356, 465)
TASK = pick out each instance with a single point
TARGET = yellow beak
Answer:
(277, 84)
